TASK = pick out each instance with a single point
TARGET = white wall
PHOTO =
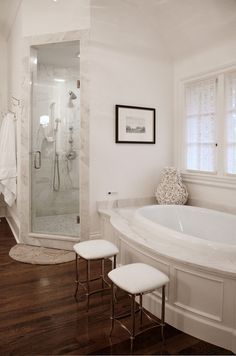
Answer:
(3, 75)
(129, 66)
(205, 62)
(14, 79)
(3, 96)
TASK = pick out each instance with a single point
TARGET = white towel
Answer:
(8, 171)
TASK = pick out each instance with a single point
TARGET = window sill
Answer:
(227, 182)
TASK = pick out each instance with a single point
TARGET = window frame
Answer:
(219, 177)
(185, 127)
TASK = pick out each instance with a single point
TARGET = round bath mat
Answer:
(40, 255)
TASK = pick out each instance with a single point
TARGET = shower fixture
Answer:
(72, 95)
(71, 154)
(56, 165)
(57, 121)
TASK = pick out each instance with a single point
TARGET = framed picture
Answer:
(135, 124)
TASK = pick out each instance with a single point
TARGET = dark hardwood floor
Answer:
(39, 316)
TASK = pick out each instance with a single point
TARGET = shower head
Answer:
(72, 95)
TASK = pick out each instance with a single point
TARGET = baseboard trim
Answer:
(54, 237)
(14, 229)
(2, 211)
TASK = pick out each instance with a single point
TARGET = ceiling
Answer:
(8, 11)
(191, 26)
(184, 26)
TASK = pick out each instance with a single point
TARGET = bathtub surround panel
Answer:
(201, 297)
(25, 183)
(195, 299)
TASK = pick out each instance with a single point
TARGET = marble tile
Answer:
(211, 205)
(57, 225)
(124, 203)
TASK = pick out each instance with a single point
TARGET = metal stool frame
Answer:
(86, 283)
(132, 313)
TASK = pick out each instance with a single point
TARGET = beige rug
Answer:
(40, 255)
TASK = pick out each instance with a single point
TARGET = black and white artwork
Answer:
(135, 124)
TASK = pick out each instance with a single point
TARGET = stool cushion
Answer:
(138, 278)
(95, 249)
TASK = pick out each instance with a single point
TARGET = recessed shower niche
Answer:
(55, 126)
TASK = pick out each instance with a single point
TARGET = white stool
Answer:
(93, 250)
(137, 279)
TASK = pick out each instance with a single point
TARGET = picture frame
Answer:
(135, 124)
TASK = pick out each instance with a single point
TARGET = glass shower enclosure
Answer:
(55, 132)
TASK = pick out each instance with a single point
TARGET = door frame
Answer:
(26, 234)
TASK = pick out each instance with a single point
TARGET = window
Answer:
(210, 125)
(201, 125)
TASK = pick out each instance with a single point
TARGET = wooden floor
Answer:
(39, 316)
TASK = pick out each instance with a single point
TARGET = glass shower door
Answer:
(55, 139)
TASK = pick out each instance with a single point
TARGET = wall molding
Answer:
(201, 278)
(227, 182)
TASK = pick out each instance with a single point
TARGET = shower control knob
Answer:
(71, 155)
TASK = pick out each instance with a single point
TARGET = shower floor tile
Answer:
(65, 225)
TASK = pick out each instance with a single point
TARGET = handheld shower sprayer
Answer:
(57, 121)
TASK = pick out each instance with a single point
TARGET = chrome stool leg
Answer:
(163, 313)
(141, 308)
(76, 275)
(132, 337)
(112, 308)
(88, 284)
(102, 272)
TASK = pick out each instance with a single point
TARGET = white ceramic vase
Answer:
(171, 189)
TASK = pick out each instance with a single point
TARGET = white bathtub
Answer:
(196, 248)
(197, 235)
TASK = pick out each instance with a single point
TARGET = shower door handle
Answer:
(37, 160)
